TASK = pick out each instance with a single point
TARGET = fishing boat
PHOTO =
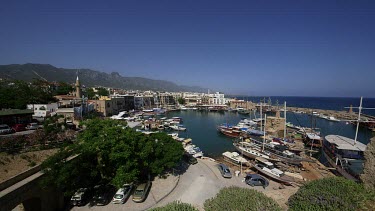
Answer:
(345, 155)
(235, 158)
(247, 150)
(268, 169)
(331, 118)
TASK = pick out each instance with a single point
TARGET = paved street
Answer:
(200, 182)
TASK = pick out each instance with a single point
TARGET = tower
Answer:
(78, 88)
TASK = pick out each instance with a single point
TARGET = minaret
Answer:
(78, 88)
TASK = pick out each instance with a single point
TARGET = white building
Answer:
(217, 99)
(43, 110)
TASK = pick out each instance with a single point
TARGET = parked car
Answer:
(5, 129)
(102, 194)
(224, 170)
(18, 127)
(122, 194)
(140, 193)
(190, 159)
(80, 197)
(256, 180)
(32, 126)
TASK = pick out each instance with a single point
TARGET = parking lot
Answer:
(198, 183)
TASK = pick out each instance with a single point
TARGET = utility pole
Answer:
(284, 120)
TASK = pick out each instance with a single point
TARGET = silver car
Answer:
(224, 170)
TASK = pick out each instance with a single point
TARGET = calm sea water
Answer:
(331, 103)
(201, 127)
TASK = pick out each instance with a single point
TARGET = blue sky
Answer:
(296, 48)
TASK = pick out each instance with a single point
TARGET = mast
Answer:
(284, 120)
(359, 119)
(261, 117)
(264, 132)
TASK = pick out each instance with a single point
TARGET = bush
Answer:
(235, 198)
(334, 193)
(176, 206)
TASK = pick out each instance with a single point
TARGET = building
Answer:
(217, 99)
(15, 116)
(41, 111)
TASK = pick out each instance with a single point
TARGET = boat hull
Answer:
(284, 179)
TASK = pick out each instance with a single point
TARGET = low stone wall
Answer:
(20, 177)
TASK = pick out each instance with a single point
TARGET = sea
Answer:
(201, 125)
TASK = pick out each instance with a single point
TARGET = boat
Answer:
(161, 127)
(331, 118)
(345, 155)
(254, 132)
(235, 158)
(313, 140)
(194, 150)
(278, 151)
(246, 149)
(230, 131)
(243, 111)
(268, 169)
(177, 127)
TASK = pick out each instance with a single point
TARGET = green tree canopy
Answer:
(110, 152)
(90, 93)
(63, 89)
(176, 206)
(236, 198)
(334, 193)
(17, 94)
(369, 168)
(103, 92)
(181, 101)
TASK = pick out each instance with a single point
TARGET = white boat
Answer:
(268, 169)
(331, 118)
(177, 127)
(194, 151)
(235, 158)
(247, 150)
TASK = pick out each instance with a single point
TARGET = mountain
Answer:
(28, 72)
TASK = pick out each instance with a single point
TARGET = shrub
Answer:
(235, 198)
(334, 193)
(176, 206)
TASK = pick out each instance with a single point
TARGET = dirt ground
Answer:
(11, 165)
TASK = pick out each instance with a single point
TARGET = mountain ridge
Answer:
(89, 77)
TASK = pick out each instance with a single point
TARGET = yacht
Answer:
(235, 158)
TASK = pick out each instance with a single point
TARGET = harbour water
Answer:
(328, 103)
(201, 127)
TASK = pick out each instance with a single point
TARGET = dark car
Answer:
(224, 170)
(102, 194)
(256, 180)
(190, 159)
(80, 197)
(140, 193)
(19, 127)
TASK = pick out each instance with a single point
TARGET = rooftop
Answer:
(345, 143)
(8, 112)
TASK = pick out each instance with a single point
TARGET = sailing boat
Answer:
(344, 154)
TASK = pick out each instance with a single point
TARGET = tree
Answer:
(63, 89)
(333, 193)
(181, 101)
(369, 168)
(90, 93)
(236, 198)
(176, 206)
(103, 92)
(114, 153)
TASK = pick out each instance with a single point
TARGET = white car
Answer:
(32, 126)
(122, 194)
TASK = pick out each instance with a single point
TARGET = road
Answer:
(198, 183)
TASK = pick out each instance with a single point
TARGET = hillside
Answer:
(28, 72)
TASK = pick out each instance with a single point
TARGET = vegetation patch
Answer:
(176, 206)
(235, 198)
(333, 193)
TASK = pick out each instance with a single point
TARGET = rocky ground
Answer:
(11, 165)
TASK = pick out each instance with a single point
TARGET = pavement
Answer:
(194, 185)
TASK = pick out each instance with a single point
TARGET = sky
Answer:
(257, 48)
